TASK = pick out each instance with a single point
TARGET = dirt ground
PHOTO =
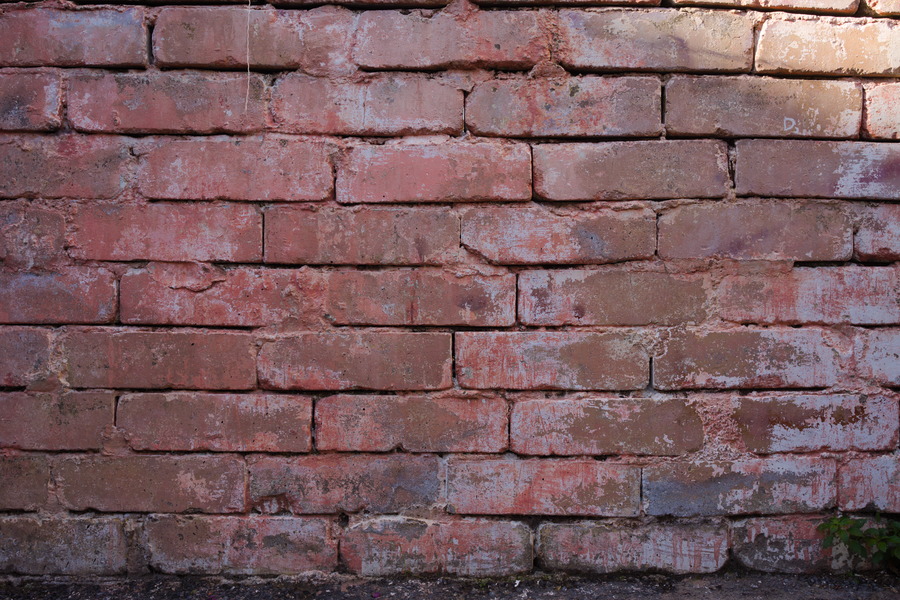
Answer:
(722, 586)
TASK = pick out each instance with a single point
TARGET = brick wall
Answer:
(395, 286)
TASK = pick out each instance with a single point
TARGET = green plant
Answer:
(875, 538)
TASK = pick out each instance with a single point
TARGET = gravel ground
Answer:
(723, 586)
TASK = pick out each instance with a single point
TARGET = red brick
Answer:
(69, 38)
(604, 426)
(151, 483)
(756, 230)
(763, 107)
(506, 486)
(656, 40)
(535, 235)
(811, 423)
(113, 358)
(316, 41)
(392, 104)
(25, 482)
(412, 423)
(610, 297)
(882, 114)
(818, 6)
(550, 360)
(421, 297)
(870, 483)
(357, 360)
(190, 294)
(488, 39)
(560, 107)
(384, 546)
(75, 295)
(170, 232)
(65, 421)
(330, 483)
(877, 235)
(24, 356)
(240, 545)
(174, 102)
(267, 169)
(623, 170)
(746, 358)
(855, 295)
(60, 545)
(30, 237)
(828, 46)
(365, 236)
(877, 354)
(448, 172)
(792, 168)
(30, 101)
(785, 484)
(62, 166)
(607, 548)
(183, 421)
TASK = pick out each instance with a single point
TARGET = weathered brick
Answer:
(24, 356)
(93, 37)
(392, 104)
(870, 482)
(151, 483)
(114, 358)
(604, 426)
(606, 548)
(75, 295)
(316, 41)
(217, 422)
(535, 235)
(624, 170)
(488, 39)
(656, 39)
(810, 423)
(793, 168)
(562, 107)
(507, 486)
(30, 237)
(746, 358)
(420, 297)
(551, 360)
(828, 46)
(489, 3)
(818, 6)
(882, 114)
(756, 230)
(269, 168)
(448, 172)
(610, 297)
(877, 235)
(190, 294)
(357, 360)
(230, 545)
(884, 7)
(877, 353)
(174, 102)
(30, 101)
(25, 482)
(62, 166)
(62, 545)
(785, 545)
(384, 546)
(855, 295)
(365, 236)
(170, 232)
(412, 423)
(763, 107)
(330, 483)
(743, 486)
(64, 421)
